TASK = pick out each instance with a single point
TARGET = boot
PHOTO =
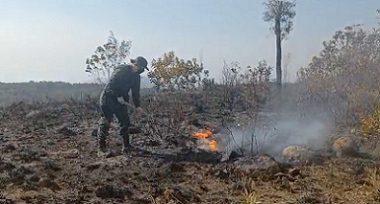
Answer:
(102, 133)
(134, 130)
(126, 144)
(102, 147)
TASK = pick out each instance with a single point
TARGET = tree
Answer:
(343, 78)
(230, 83)
(280, 14)
(106, 57)
(256, 85)
(173, 73)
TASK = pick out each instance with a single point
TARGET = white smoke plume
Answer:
(273, 135)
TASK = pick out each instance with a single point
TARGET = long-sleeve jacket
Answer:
(122, 81)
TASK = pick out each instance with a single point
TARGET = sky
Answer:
(49, 40)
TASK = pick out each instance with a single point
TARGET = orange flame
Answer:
(213, 145)
(204, 135)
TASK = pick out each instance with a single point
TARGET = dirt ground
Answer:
(51, 158)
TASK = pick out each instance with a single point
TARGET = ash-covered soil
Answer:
(48, 155)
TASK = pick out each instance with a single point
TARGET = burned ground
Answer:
(50, 157)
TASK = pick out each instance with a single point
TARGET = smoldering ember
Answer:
(163, 131)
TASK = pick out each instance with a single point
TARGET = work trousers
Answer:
(110, 106)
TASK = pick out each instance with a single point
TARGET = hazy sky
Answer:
(51, 39)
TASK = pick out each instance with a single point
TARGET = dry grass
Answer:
(336, 181)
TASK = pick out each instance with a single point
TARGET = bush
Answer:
(343, 79)
(170, 72)
(371, 124)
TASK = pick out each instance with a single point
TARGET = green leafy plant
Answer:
(171, 72)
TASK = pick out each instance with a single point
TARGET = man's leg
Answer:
(104, 126)
(124, 123)
(131, 116)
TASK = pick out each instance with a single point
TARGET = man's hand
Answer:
(120, 100)
(139, 109)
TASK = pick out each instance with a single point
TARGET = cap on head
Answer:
(141, 62)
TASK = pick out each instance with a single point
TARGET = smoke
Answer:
(273, 133)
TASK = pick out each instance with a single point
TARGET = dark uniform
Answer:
(122, 80)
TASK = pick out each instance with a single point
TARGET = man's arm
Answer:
(136, 92)
(122, 86)
(125, 97)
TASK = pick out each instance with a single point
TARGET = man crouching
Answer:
(124, 78)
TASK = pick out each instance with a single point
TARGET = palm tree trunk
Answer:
(278, 55)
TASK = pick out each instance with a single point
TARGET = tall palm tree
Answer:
(280, 14)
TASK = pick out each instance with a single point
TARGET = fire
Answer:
(213, 145)
(204, 136)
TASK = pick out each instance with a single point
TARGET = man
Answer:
(124, 78)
